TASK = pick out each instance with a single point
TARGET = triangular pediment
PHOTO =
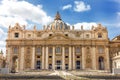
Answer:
(58, 37)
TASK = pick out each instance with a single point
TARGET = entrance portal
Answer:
(38, 64)
(77, 64)
(15, 64)
(58, 65)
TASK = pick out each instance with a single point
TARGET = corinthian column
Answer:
(9, 58)
(83, 57)
(22, 58)
(33, 58)
(73, 57)
(63, 58)
(107, 59)
(47, 57)
(43, 58)
(70, 58)
(93, 58)
(53, 59)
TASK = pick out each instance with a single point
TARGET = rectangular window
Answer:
(77, 49)
(87, 35)
(66, 66)
(50, 50)
(99, 35)
(100, 50)
(38, 50)
(15, 50)
(16, 35)
(66, 50)
(50, 56)
(66, 56)
(58, 50)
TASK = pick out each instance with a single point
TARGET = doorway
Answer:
(77, 64)
(38, 64)
(58, 65)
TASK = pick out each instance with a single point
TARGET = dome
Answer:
(58, 24)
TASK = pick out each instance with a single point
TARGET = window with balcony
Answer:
(58, 50)
(38, 50)
(66, 50)
(77, 49)
(50, 50)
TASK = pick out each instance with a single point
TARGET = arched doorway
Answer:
(101, 63)
(15, 64)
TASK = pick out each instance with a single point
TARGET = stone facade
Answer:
(58, 46)
(115, 52)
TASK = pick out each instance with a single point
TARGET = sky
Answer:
(73, 12)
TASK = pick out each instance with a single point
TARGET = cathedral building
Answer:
(115, 52)
(57, 47)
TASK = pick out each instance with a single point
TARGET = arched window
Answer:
(99, 35)
(101, 63)
(58, 50)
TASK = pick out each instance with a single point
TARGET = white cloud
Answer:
(3, 36)
(67, 7)
(118, 13)
(86, 25)
(12, 11)
(118, 1)
(80, 6)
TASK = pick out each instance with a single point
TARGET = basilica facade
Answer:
(57, 47)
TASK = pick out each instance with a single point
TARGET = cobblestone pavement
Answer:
(69, 76)
(59, 75)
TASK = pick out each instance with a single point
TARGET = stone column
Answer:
(22, 58)
(94, 66)
(70, 67)
(107, 63)
(63, 58)
(9, 58)
(83, 57)
(53, 58)
(73, 57)
(33, 57)
(46, 57)
(43, 57)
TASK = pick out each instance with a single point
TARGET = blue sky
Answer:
(73, 12)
